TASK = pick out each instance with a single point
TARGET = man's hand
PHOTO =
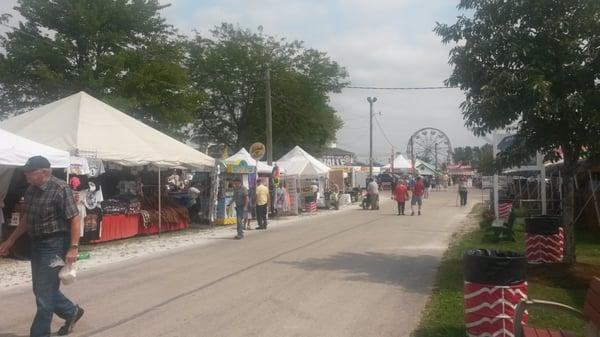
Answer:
(5, 247)
(72, 256)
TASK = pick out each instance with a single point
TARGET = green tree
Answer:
(533, 66)
(485, 160)
(230, 68)
(122, 52)
(463, 155)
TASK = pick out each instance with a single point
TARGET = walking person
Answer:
(52, 221)
(417, 195)
(263, 201)
(462, 191)
(401, 194)
(373, 191)
(427, 188)
(240, 197)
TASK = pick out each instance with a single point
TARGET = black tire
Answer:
(501, 268)
(542, 225)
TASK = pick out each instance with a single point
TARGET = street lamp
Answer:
(371, 100)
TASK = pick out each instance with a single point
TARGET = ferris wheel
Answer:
(430, 145)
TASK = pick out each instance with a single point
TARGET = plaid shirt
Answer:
(49, 208)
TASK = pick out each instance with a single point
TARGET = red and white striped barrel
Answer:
(504, 209)
(490, 309)
(545, 248)
(310, 207)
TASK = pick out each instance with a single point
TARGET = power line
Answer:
(398, 88)
(382, 132)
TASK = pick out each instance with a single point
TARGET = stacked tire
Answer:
(544, 239)
(495, 282)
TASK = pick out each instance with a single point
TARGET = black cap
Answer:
(36, 163)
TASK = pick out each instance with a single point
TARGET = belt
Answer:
(47, 236)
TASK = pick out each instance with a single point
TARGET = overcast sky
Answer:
(382, 43)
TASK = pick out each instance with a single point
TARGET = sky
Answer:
(381, 43)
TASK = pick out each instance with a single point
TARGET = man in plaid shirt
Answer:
(52, 221)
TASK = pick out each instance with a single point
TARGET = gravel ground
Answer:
(18, 273)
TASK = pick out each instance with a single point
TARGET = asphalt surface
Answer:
(348, 273)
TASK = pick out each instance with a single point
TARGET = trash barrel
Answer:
(544, 239)
(495, 282)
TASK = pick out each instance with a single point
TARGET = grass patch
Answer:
(443, 315)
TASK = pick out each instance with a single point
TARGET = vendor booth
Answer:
(309, 176)
(240, 165)
(120, 163)
(14, 152)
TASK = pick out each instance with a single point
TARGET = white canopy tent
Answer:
(243, 154)
(400, 164)
(82, 124)
(299, 162)
(14, 152)
(85, 126)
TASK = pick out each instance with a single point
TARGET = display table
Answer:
(165, 227)
(118, 226)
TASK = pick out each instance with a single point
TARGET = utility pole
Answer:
(412, 155)
(435, 147)
(371, 100)
(269, 119)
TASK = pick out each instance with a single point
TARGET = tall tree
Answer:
(534, 66)
(230, 68)
(120, 51)
(463, 155)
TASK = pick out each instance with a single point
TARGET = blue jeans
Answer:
(46, 284)
(239, 212)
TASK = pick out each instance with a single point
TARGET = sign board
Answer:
(336, 161)
(487, 182)
(257, 151)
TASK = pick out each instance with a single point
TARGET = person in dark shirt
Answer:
(52, 220)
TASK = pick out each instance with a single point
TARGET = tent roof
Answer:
(400, 163)
(299, 162)
(15, 150)
(81, 123)
(243, 154)
(428, 166)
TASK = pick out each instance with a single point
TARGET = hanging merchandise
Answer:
(92, 228)
(93, 196)
(79, 166)
(96, 167)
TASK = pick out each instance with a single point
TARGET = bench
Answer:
(502, 231)
(591, 314)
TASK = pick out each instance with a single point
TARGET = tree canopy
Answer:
(479, 157)
(120, 51)
(533, 66)
(230, 67)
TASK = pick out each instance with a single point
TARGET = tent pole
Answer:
(159, 202)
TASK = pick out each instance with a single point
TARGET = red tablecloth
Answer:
(119, 226)
(165, 227)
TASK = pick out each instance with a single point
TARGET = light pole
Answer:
(371, 100)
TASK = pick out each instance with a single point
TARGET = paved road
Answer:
(350, 273)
